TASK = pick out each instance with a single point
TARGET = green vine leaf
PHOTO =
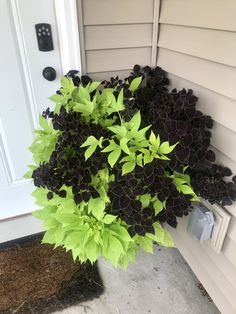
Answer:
(124, 146)
(128, 167)
(114, 156)
(135, 84)
(135, 121)
(165, 148)
(158, 206)
(91, 87)
(108, 219)
(97, 207)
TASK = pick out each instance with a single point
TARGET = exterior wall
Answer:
(197, 46)
(117, 35)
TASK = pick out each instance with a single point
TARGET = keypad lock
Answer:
(44, 36)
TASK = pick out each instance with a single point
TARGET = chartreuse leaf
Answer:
(121, 232)
(67, 84)
(92, 250)
(162, 236)
(73, 239)
(40, 195)
(66, 205)
(89, 151)
(49, 237)
(155, 141)
(114, 156)
(147, 157)
(152, 138)
(118, 130)
(59, 235)
(84, 109)
(140, 135)
(97, 207)
(120, 101)
(91, 87)
(182, 183)
(97, 237)
(158, 206)
(145, 200)
(43, 122)
(45, 212)
(58, 99)
(28, 174)
(165, 148)
(146, 244)
(50, 223)
(124, 146)
(113, 105)
(66, 219)
(140, 160)
(130, 157)
(82, 95)
(112, 146)
(135, 84)
(108, 219)
(91, 140)
(44, 142)
(112, 248)
(128, 167)
(135, 121)
(93, 143)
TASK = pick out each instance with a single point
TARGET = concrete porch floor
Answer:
(161, 283)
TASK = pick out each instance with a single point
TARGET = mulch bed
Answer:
(35, 278)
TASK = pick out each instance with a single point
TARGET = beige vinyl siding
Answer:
(201, 71)
(213, 14)
(117, 35)
(104, 12)
(197, 46)
(210, 44)
(100, 76)
(112, 36)
(116, 59)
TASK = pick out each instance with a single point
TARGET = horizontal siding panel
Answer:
(225, 266)
(214, 14)
(217, 77)
(221, 262)
(232, 231)
(117, 12)
(118, 36)
(117, 59)
(229, 250)
(100, 76)
(224, 140)
(209, 102)
(222, 159)
(213, 104)
(214, 45)
(206, 270)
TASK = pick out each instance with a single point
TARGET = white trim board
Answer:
(19, 227)
(68, 34)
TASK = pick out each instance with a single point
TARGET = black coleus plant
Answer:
(174, 115)
(115, 159)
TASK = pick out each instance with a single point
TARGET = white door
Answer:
(23, 94)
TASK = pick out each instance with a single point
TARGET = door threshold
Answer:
(18, 227)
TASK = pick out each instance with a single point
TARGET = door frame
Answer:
(70, 52)
(68, 34)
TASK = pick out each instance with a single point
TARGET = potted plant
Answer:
(115, 159)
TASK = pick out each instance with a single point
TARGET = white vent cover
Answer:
(221, 224)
